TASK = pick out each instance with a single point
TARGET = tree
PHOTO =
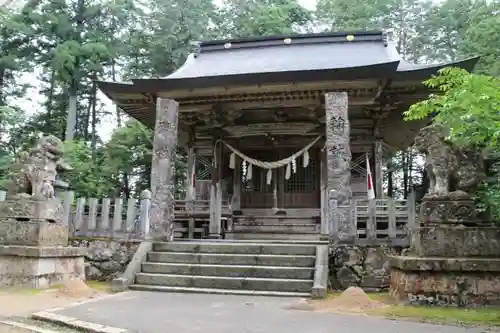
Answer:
(242, 18)
(469, 105)
(483, 39)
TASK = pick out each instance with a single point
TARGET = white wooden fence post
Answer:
(103, 226)
(80, 223)
(93, 202)
(131, 215)
(143, 232)
(117, 215)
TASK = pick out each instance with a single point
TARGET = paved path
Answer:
(146, 312)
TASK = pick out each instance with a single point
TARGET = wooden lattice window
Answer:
(304, 180)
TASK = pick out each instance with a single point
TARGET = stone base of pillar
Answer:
(214, 236)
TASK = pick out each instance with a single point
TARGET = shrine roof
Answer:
(294, 58)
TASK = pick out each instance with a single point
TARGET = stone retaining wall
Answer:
(363, 266)
(105, 259)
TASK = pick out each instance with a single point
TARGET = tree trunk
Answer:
(50, 97)
(93, 100)
(118, 112)
(404, 162)
(2, 79)
(72, 108)
(390, 185)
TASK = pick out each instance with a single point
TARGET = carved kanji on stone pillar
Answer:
(338, 155)
(162, 170)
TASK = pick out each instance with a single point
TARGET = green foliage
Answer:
(352, 15)
(87, 179)
(467, 103)
(243, 18)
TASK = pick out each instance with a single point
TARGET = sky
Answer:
(31, 103)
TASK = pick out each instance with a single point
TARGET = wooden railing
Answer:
(373, 222)
(364, 222)
(119, 218)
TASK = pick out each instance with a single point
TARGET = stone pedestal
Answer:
(456, 208)
(34, 249)
(449, 265)
(40, 267)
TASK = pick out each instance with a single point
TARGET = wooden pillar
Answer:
(338, 159)
(378, 152)
(275, 189)
(191, 174)
(216, 192)
(236, 200)
(162, 170)
(280, 181)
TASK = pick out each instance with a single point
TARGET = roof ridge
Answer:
(276, 40)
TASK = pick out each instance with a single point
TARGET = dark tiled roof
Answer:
(299, 58)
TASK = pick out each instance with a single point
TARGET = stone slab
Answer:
(81, 325)
(447, 241)
(440, 288)
(436, 264)
(122, 282)
(27, 209)
(236, 248)
(40, 267)
(229, 270)
(320, 285)
(193, 313)
(461, 210)
(220, 282)
(32, 233)
(42, 252)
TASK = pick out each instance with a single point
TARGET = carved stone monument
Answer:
(34, 248)
(338, 159)
(454, 259)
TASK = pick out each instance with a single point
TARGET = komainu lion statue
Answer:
(451, 169)
(35, 171)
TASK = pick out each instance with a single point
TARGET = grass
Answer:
(442, 315)
(482, 316)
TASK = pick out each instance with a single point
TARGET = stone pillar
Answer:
(216, 192)
(162, 170)
(325, 226)
(236, 200)
(338, 159)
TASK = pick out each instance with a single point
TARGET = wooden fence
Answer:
(366, 222)
(373, 222)
(114, 218)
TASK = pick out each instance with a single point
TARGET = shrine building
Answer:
(278, 130)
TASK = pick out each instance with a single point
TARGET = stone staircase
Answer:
(297, 224)
(235, 267)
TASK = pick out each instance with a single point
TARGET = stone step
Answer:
(290, 212)
(256, 241)
(219, 282)
(236, 248)
(278, 228)
(277, 272)
(272, 236)
(218, 291)
(232, 259)
(264, 220)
